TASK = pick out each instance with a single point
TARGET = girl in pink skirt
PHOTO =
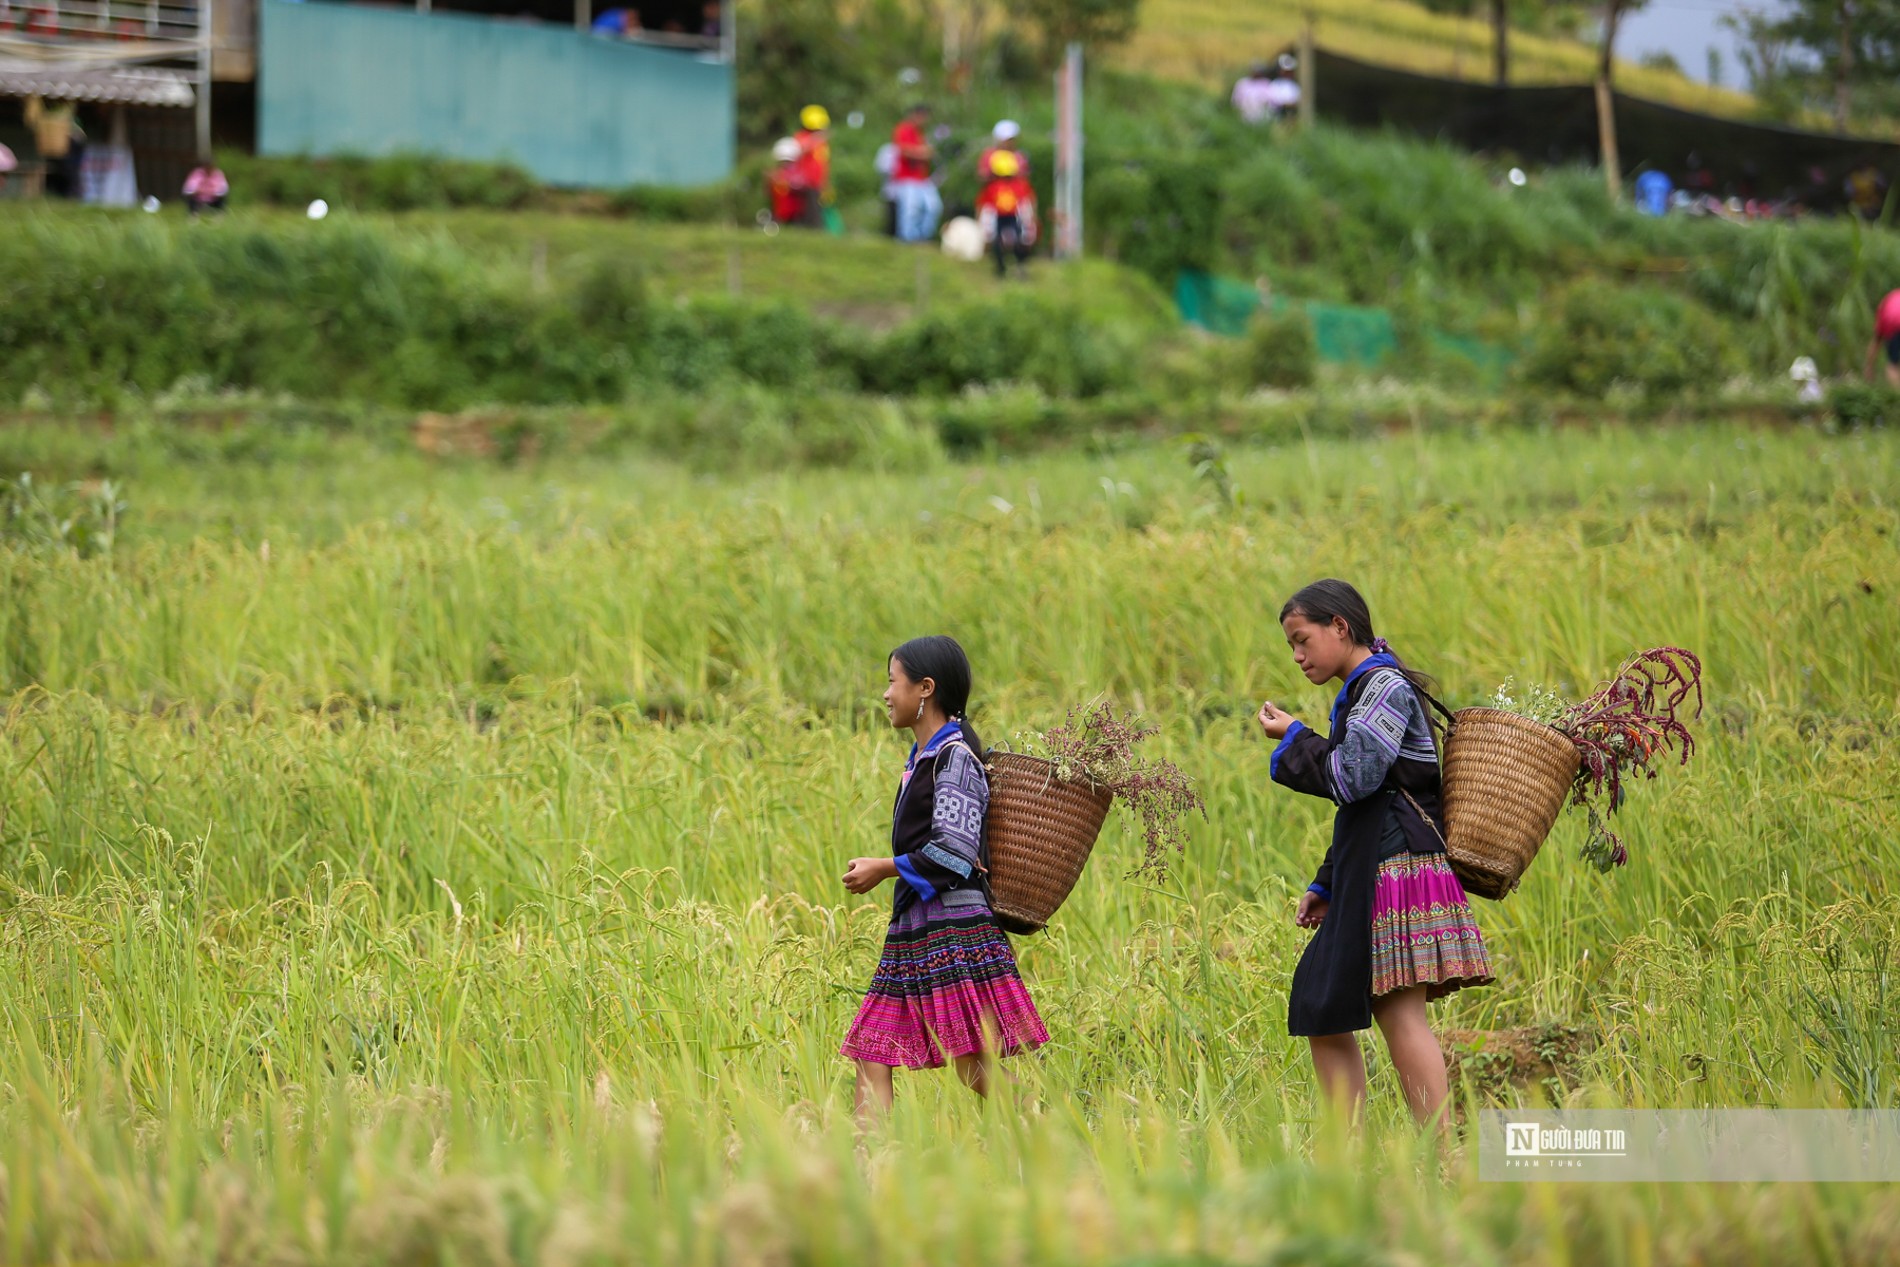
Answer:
(1394, 927)
(946, 987)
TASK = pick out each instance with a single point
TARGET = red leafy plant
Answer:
(1096, 745)
(1624, 729)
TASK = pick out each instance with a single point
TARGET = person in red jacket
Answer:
(1007, 211)
(785, 183)
(814, 145)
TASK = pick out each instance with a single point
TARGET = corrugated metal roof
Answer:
(128, 85)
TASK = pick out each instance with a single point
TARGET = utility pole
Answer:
(1068, 217)
(1309, 74)
(204, 81)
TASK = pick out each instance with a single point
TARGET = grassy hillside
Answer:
(1207, 42)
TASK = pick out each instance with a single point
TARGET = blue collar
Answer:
(1382, 660)
(948, 731)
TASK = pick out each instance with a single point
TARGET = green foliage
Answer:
(1858, 404)
(1022, 339)
(346, 311)
(81, 519)
(396, 182)
(1281, 351)
(793, 53)
(1095, 24)
(1157, 213)
(1641, 338)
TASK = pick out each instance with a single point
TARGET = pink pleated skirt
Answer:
(945, 986)
(1423, 931)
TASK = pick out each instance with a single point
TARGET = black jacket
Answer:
(1331, 991)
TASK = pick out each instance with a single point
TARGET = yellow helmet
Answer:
(1003, 163)
(815, 118)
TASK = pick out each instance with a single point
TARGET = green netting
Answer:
(1345, 333)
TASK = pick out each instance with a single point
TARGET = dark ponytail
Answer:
(1322, 601)
(939, 658)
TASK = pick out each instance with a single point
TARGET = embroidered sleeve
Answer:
(952, 856)
(1374, 732)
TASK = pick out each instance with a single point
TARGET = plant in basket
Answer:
(1622, 730)
(1048, 800)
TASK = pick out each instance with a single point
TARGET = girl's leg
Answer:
(975, 1070)
(1415, 1053)
(874, 1091)
(1341, 1070)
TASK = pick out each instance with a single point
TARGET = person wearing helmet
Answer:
(1007, 211)
(785, 182)
(814, 147)
(918, 203)
(1005, 136)
(1283, 90)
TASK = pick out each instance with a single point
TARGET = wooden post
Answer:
(1843, 67)
(1606, 105)
(1501, 42)
(204, 81)
(1309, 74)
(1606, 140)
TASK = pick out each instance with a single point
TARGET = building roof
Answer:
(121, 85)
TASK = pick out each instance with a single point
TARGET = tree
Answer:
(1613, 11)
(1092, 23)
(1850, 62)
(1501, 41)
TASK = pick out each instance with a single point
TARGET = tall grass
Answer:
(439, 864)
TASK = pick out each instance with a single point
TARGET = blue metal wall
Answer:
(573, 109)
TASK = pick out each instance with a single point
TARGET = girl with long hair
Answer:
(1394, 927)
(946, 987)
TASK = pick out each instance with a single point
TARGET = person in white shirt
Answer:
(1283, 90)
(1251, 95)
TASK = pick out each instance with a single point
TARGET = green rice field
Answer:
(415, 861)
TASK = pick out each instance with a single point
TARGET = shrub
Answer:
(1281, 350)
(1642, 337)
(1023, 339)
(395, 182)
(1856, 404)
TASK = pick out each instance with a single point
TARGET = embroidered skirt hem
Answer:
(1423, 931)
(945, 986)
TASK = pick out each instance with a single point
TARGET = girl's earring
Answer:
(920, 710)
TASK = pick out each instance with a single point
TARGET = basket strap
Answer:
(1450, 719)
(1427, 817)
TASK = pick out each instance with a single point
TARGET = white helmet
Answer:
(1006, 130)
(786, 149)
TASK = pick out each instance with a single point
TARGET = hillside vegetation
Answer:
(1208, 42)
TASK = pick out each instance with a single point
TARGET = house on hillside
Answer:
(641, 93)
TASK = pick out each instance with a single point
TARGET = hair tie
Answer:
(1381, 647)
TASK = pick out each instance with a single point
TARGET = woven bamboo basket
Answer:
(1039, 832)
(1506, 777)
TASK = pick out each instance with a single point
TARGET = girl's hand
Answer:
(865, 874)
(1312, 910)
(1274, 722)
